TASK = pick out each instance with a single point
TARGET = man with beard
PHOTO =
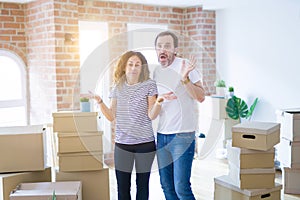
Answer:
(179, 83)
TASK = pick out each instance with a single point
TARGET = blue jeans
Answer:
(175, 153)
(125, 156)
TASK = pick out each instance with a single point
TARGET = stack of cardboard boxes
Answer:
(80, 153)
(289, 150)
(22, 157)
(251, 163)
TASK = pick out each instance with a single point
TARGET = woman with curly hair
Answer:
(134, 104)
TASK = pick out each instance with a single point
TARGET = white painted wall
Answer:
(258, 52)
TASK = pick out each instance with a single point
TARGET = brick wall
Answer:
(41, 60)
(199, 26)
(196, 27)
(12, 29)
(53, 62)
(67, 54)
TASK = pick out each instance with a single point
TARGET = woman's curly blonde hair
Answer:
(119, 73)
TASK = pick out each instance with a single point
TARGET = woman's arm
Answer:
(154, 106)
(109, 113)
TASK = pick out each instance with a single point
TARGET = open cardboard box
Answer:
(70, 190)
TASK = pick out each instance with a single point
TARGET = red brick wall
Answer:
(196, 26)
(67, 54)
(36, 32)
(200, 27)
(53, 61)
(41, 60)
(12, 29)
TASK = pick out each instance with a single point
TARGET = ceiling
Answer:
(173, 3)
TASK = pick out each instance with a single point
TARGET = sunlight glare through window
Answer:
(10, 79)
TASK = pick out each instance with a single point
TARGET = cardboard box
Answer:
(82, 142)
(95, 184)
(9, 181)
(87, 161)
(70, 190)
(256, 135)
(291, 178)
(290, 124)
(289, 153)
(252, 178)
(225, 190)
(70, 121)
(218, 108)
(22, 148)
(249, 159)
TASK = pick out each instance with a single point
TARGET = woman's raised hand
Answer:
(91, 95)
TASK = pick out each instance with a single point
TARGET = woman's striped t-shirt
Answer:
(133, 126)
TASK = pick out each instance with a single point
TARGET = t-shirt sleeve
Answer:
(195, 76)
(113, 93)
(152, 91)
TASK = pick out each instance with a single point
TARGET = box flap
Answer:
(74, 114)
(239, 150)
(91, 153)
(255, 127)
(293, 170)
(293, 113)
(62, 185)
(292, 110)
(226, 182)
(44, 189)
(235, 168)
(43, 192)
(258, 171)
(22, 129)
(80, 134)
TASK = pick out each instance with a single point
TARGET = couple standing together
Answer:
(136, 100)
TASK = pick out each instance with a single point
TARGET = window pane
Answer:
(10, 79)
(12, 116)
(91, 35)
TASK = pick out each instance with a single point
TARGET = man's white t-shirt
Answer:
(178, 115)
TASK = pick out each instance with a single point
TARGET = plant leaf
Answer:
(251, 109)
(53, 195)
(236, 108)
(232, 109)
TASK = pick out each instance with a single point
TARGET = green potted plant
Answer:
(220, 87)
(237, 108)
(85, 104)
(231, 91)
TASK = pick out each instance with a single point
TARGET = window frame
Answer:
(24, 85)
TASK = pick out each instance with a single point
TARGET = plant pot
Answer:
(85, 107)
(220, 91)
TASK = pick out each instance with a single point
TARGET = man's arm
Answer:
(195, 90)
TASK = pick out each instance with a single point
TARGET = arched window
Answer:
(13, 88)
